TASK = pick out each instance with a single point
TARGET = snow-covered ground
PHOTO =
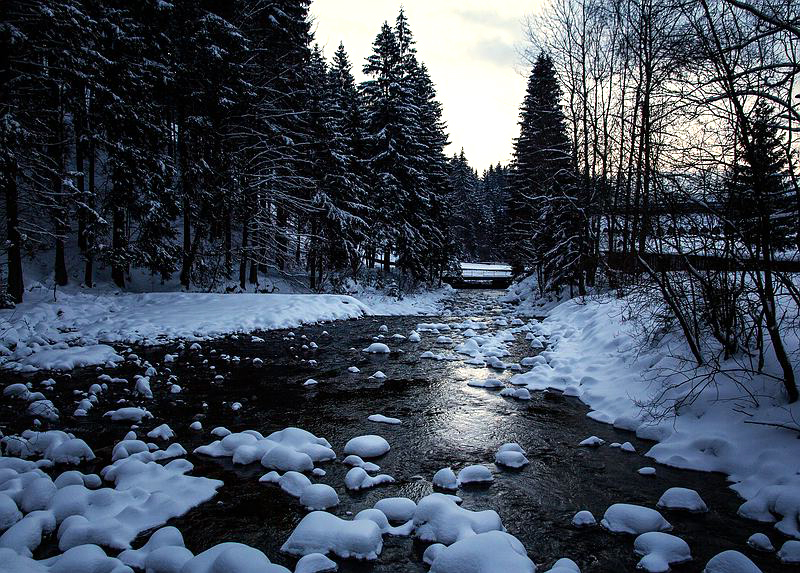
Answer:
(593, 354)
(75, 328)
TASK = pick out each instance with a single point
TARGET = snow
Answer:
(591, 335)
(646, 471)
(584, 518)
(659, 551)
(319, 496)
(776, 500)
(475, 474)
(511, 459)
(284, 458)
(357, 479)
(378, 375)
(682, 498)
(315, 563)
(790, 552)
(356, 461)
(377, 348)
(485, 383)
(166, 537)
(439, 519)
(633, 519)
(292, 482)
(730, 562)
(384, 419)
(488, 552)
(564, 565)
(129, 414)
(369, 446)
(397, 508)
(592, 441)
(75, 330)
(162, 432)
(445, 478)
(321, 532)
(231, 558)
(760, 542)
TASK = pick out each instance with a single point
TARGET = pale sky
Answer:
(471, 48)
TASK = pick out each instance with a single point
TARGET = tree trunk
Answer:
(243, 259)
(118, 246)
(228, 245)
(387, 259)
(88, 271)
(15, 282)
(186, 263)
(56, 151)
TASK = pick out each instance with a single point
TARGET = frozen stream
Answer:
(444, 423)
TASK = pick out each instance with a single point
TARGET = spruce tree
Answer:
(543, 217)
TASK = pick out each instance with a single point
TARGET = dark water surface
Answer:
(445, 423)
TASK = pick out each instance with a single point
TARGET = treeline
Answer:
(674, 136)
(213, 141)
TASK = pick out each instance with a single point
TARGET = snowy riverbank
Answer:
(593, 355)
(76, 328)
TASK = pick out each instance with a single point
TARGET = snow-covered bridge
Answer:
(481, 275)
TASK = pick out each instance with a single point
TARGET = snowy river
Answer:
(444, 422)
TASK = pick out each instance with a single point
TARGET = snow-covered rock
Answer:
(584, 518)
(760, 542)
(489, 552)
(319, 496)
(439, 519)
(357, 462)
(377, 348)
(369, 446)
(380, 418)
(231, 558)
(730, 562)
(659, 551)
(790, 552)
(397, 508)
(474, 474)
(682, 498)
(162, 432)
(592, 442)
(633, 519)
(445, 478)
(315, 563)
(321, 532)
(357, 478)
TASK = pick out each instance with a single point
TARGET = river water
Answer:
(445, 423)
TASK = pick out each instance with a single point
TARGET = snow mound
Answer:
(760, 542)
(162, 432)
(510, 459)
(776, 500)
(488, 552)
(315, 563)
(321, 532)
(357, 462)
(730, 562)
(369, 446)
(660, 550)
(288, 449)
(564, 565)
(633, 519)
(292, 482)
(475, 474)
(231, 558)
(166, 537)
(319, 496)
(592, 442)
(380, 418)
(584, 518)
(377, 348)
(790, 552)
(358, 478)
(682, 498)
(439, 519)
(397, 508)
(445, 478)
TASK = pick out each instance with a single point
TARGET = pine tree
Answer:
(544, 218)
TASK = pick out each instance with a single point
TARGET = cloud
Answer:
(497, 51)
